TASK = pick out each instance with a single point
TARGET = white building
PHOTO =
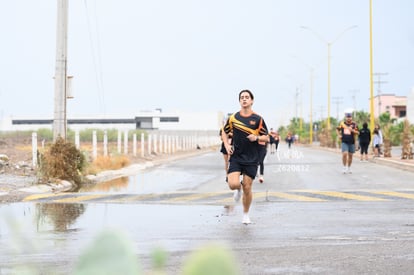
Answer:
(153, 120)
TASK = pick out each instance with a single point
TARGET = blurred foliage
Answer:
(391, 128)
(110, 253)
(159, 259)
(211, 259)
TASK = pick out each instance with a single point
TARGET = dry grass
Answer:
(102, 163)
(62, 161)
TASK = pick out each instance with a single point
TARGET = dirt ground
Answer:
(18, 172)
(18, 150)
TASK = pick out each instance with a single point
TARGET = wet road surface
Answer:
(302, 222)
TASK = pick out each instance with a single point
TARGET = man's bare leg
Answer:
(247, 197)
(234, 180)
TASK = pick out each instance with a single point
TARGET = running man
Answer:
(347, 130)
(248, 128)
(224, 153)
(262, 156)
(274, 136)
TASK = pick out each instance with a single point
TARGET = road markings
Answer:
(195, 196)
(135, 198)
(80, 198)
(343, 195)
(286, 196)
(37, 197)
(222, 197)
(395, 194)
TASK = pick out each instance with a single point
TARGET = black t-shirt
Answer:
(245, 151)
(347, 136)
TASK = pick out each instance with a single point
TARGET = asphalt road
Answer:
(308, 218)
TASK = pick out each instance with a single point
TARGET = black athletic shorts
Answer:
(245, 169)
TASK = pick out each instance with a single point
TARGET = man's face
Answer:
(348, 117)
(245, 99)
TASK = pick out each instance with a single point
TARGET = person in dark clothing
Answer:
(289, 139)
(347, 130)
(273, 141)
(224, 153)
(248, 129)
(364, 140)
(262, 155)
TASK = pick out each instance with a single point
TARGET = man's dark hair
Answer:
(246, 91)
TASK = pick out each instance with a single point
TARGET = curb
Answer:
(108, 175)
(394, 163)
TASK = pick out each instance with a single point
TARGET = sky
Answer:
(128, 56)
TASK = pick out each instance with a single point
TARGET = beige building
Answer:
(395, 105)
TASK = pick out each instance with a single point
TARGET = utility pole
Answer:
(59, 119)
(337, 100)
(354, 92)
(296, 102)
(379, 82)
(311, 110)
(329, 45)
(321, 110)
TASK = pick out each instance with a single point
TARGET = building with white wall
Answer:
(152, 120)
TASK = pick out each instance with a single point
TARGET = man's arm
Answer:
(339, 132)
(225, 138)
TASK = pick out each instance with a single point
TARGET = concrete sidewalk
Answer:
(394, 161)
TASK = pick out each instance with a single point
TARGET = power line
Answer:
(337, 100)
(96, 57)
(379, 91)
(354, 92)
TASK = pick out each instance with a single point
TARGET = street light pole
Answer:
(371, 74)
(311, 70)
(328, 121)
(310, 113)
(329, 45)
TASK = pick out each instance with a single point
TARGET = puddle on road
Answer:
(153, 181)
(72, 225)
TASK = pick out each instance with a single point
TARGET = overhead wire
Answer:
(96, 56)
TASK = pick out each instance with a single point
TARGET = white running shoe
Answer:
(349, 170)
(237, 195)
(246, 219)
(345, 170)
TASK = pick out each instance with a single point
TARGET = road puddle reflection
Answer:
(58, 215)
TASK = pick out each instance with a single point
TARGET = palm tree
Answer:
(360, 117)
(385, 123)
(406, 142)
